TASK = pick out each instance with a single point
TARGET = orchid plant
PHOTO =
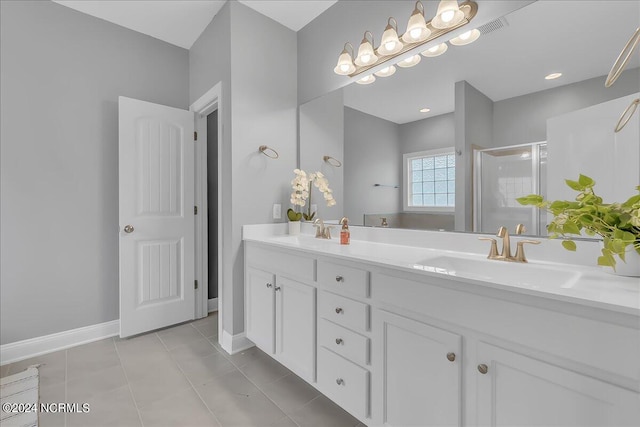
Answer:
(302, 185)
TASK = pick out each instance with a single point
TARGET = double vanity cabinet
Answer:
(401, 346)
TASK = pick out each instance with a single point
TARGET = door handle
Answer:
(128, 228)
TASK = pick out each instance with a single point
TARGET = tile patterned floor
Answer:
(178, 376)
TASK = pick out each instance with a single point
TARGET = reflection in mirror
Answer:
(477, 100)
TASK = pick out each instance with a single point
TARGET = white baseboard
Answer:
(20, 350)
(233, 344)
(212, 305)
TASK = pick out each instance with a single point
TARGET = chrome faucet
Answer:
(322, 231)
(505, 254)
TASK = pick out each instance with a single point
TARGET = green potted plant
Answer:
(302, 185)
(617, 223)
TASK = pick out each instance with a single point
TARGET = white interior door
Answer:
(156, 161)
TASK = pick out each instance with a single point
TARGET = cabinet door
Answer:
(414, 382)
(518, 390)
(296, 327)
(260, 298)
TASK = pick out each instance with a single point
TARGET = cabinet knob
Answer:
(277, 288)
(339, 279)
(128, 228)
(339, 310)
(339, 341)
(269, 285)
(451, 357)
(483, 369)
(340, 381)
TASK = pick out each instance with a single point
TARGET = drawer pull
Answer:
(277, 288)
(339, 310)
(340, 381)
(451, 357)
(339, 341)
(483, 369)
(269, 285)
(339, 279)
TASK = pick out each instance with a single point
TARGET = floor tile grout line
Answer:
(267, 396)
(126, 377)
(197, 393)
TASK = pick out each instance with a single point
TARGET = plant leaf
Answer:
(574, 185)
(569, 245)
(585, 181)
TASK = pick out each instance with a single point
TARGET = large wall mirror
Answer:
(495, 129)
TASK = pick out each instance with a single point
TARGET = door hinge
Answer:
(195, 136)
(195, 285)
(195, 210)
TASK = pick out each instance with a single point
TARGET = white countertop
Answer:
(580, 284)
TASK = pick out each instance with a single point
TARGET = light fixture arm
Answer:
(420, 7)
(370, 39)
(350, 47)
(395, 23)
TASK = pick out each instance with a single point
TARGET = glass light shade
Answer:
(409, 62)
(366, 55)
(386, 71)
(390, 43)
(435, 50)
(367, 80)
(465, 38)
(345, 64)
(417, 30)
(448, 15)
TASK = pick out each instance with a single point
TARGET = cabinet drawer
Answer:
(344, 382)
(344, 279)
(343, 311)
(295, 266)
(354, 347)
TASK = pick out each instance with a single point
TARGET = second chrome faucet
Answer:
(505, 254)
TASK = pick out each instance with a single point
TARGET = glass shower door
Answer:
(501, 176)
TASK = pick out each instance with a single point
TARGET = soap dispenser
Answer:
(345, 234)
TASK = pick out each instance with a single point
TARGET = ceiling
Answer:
(579, 39)
(181, 22)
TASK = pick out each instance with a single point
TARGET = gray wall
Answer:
(64, 70)
(259, 107)
(209, 64)
(372, 156)
(428, 134)
(321, 124)
(523, 119)
(321, 41)
(473, 128)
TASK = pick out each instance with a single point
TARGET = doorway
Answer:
(212, 211)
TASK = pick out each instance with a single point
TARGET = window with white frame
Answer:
(430, 180)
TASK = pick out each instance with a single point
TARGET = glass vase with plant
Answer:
(617, 223)
(302, 185)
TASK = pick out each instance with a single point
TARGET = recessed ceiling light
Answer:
(553, 76)
(425, 110)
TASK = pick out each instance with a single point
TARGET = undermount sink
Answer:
(523, 275)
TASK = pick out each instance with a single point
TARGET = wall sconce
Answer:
(450, 16)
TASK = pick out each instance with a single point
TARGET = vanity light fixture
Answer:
(553, 76)
(366, 80)
(434, 51)
(425, 110)
(417, 30)
(386, 71)
(345, 61)
(409, 62)
(366, 55)
(465, 38)
(451, 16)
(390, 42)
(448, 15)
